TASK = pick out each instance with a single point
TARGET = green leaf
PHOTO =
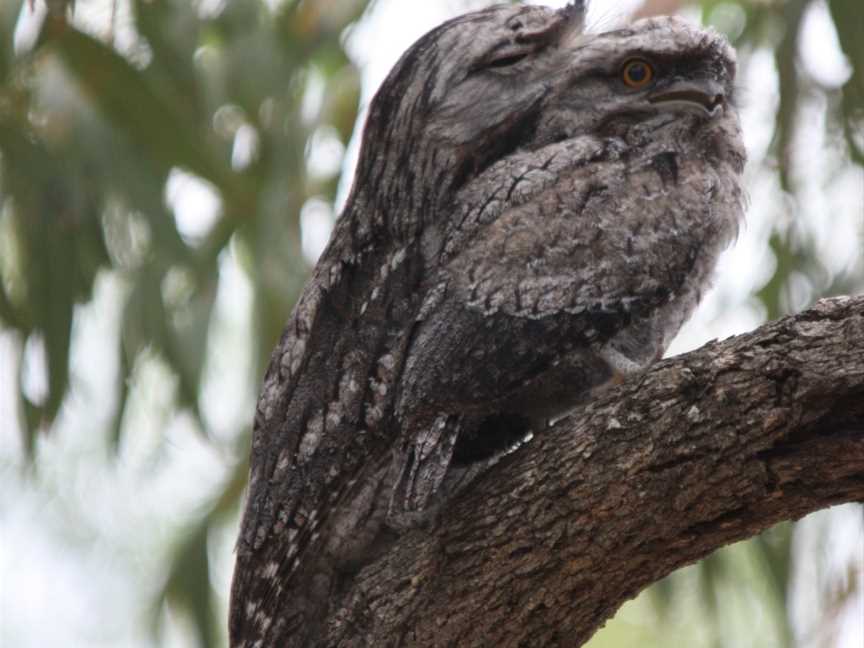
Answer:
(662, 595)
(189, 583)
(785, 57)
(135, 105)
(8, 18)
(712, 570)
(849, 22)
(178, 334)
(773, 553)
(125, 376)
(144, 317)
(61, 246)
(8, 313)
(342, 101)
(771, 293)
(171, 29)
(187, 343)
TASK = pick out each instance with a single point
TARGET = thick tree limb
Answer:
(702, 450)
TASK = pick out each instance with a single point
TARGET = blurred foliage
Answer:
(96, 123)
(89, 137)
(793, 252)
(91, 132)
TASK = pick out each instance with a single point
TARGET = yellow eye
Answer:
(637, 73)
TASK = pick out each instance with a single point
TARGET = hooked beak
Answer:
(705, 98)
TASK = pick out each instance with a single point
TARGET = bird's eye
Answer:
(637, 73)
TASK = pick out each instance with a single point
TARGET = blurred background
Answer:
(169, 172)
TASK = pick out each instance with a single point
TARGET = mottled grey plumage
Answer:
(523, 227)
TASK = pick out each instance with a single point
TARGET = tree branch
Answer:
(704, 449)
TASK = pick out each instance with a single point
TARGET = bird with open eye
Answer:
(637, 73)
(536, 211)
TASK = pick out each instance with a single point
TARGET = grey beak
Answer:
(706, 98)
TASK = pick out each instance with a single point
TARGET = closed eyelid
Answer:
(503, 48)
(502, 55)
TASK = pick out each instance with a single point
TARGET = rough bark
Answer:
(702, 450)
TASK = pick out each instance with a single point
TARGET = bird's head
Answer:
(513, 79)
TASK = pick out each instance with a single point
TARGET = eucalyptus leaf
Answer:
(186, 344)
(171, 29)
(188, 585)
(140, 109)
(61, 246)
(849, 21)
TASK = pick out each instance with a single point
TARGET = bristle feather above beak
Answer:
(573, 20)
